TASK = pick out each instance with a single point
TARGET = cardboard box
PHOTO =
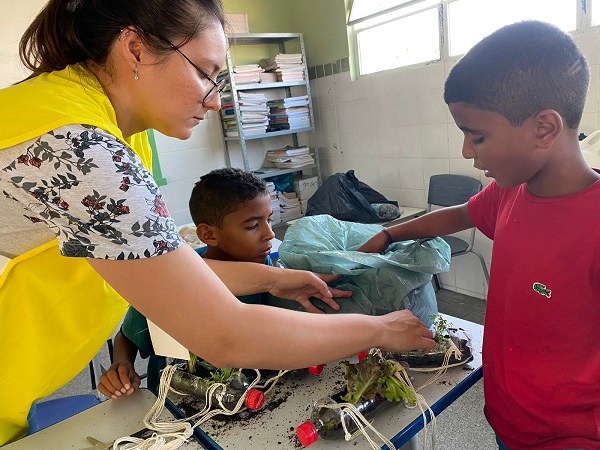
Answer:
(236, 23)
(304, 183)
(305, 194)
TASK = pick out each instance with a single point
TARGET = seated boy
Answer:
(232, 212)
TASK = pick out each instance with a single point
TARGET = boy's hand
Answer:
(300, 285)
(119, 379)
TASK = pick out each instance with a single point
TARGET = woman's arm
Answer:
(244, 278)
(179, 293)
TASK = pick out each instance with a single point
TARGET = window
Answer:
(469, 21)
(388, 37)
(595, 10)
(397, 33)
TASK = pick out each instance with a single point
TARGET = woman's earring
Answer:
(135, 74)
(123, 35)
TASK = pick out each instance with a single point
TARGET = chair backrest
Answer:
(450, 190)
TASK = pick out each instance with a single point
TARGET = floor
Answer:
(461, 426)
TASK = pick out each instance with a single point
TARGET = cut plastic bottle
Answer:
(235, 388)
(326, 422)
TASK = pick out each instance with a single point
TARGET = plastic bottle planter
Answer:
(432, 360)
(326, 422)
(236, 388)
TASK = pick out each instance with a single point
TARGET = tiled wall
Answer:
(393, 129)
(326, 70)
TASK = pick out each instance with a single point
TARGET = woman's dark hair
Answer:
(72, 31)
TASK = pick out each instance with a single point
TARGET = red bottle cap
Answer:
(255, 399)
(307, 434)
(316, 370)
(362, 355)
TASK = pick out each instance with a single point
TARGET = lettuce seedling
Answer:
(375, 376)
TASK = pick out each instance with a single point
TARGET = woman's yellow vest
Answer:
(55, 312)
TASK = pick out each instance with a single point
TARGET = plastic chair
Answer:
(96, 367)
(49, 412)
(451, 190)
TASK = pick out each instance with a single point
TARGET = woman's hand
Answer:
(300, 285)
(405, 332)
(120, 379)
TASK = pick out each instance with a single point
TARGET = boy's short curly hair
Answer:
(520, 70)
(221, 192)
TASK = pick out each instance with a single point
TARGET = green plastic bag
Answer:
(381, 283)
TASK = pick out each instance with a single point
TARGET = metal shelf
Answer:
(278, 84)
(273, 172)
(268, 39)
(268, 134)
(260, 38)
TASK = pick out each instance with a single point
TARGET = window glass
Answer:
(595, 12)
(471, 20)
(401, 42)
(364, 8)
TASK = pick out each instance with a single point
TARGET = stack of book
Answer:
(289, 206)
(289, 157)
(287, 66)
(228, 115)
(290, 74)
(247, 73)
(289, 113)
(276, 217)
(253, 112)
(282, 61)
(268, 77)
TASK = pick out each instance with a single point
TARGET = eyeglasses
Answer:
(216, 88)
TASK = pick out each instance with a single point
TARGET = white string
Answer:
(273, 380)
(452, 350)
(172, 435)
(421, 403)
(362, 424)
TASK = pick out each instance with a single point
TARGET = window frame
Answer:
(583, 24)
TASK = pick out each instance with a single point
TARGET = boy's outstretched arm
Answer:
(121, 377)
(436, 223)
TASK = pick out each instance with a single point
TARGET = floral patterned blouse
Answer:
(87, 189)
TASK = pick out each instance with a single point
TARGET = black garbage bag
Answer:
(345, 197)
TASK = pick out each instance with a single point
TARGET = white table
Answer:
(106, 422)
(274, 426)
(410, 212)
(289, 405)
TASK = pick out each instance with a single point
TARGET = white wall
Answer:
(183, 162)
(15, 16)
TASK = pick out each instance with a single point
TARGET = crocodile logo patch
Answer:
(542, 290)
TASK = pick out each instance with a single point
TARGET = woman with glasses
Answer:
(84, 229)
